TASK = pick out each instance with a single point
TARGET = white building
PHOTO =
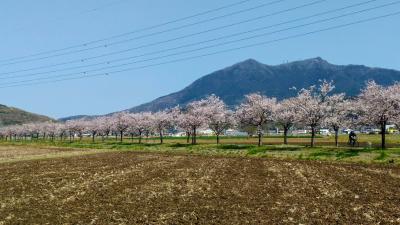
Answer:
(231, 132)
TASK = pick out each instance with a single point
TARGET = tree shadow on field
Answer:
(234, 147)
(272, 148)
(347, 154)
(322, 154)
(179, 145)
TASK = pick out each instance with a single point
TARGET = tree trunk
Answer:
(122, 134)
(259, 136)
(140, 137)
(93, 137)
(383, 135)
(312, 136)
(217, 139)
(194, 136)
(161, 137)
(285, 135)
(187, 137)
(336, 137)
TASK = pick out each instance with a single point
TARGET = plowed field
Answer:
(149, 188)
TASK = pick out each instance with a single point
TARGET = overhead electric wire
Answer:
(148, 35)
(64, 17)
(144, 29)
(213, 53)
(173, 39)
(106, 5)
(206, 41)
(132, 32)
(212, 46)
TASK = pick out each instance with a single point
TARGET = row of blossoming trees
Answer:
(313, 108)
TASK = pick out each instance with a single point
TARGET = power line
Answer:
(213, 53)
(106, 5)
(218, 44)
(201, 42)
(173, 39)
(77, 13)
(131, 32)
(102, 46)
(86, 44)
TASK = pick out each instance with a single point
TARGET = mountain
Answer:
(77, 117)
(280, 81)
(11, 116)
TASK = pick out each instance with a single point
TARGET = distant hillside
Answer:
(77, 117)
(11, 116)
(250, 76)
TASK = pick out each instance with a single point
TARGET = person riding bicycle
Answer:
(352, 138)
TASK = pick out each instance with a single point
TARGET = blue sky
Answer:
(30, 27)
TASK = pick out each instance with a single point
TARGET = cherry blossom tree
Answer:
(313, 108)
(62, 130)
(182, 120)
(10, 131)
(338, 112)
(51, 129)
(93, 127)
(286, 116)
(162, 121)
(34, 130)
(121, 123)
(105, 126)
(218, 117)
(257, 110)
(379, 106)
(76, 127)
(141, 123)
(195, 117)
(2, 133)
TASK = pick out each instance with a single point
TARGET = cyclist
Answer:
(352, 138)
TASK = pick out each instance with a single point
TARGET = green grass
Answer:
(321, 154)
(382, 156)
(246, 149)
(347, 154)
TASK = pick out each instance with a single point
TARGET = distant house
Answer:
(300, 132)
(205, 132)
(325, 132)
(391, 129)
(179, 134)
(232, 132)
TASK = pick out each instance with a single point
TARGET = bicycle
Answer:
(353, 142)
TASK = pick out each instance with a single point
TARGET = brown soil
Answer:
(140, 188)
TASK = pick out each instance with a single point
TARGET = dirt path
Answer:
(140, 188)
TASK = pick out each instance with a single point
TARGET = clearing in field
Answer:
(128, 187)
